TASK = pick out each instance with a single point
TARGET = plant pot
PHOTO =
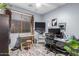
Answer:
(2, 11)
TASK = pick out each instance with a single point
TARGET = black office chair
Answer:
(50, 43)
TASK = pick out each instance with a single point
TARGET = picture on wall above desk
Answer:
(62, 26)
(54, 22)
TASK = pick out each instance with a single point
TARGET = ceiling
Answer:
(44, 8)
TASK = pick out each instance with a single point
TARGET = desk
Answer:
(57, 45)
(61, 40)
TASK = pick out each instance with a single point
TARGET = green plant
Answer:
(72, 46)
(3, 5)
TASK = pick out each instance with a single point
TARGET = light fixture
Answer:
(38, 5)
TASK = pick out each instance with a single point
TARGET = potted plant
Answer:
(72, 47)
(3, 7)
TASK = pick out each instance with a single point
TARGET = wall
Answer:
(14, 36)
(69, 14)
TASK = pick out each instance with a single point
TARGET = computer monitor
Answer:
(40, 27)
(54, 30)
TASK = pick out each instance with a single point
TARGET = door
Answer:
(4, 34)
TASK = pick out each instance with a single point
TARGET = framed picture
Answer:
(54, 22)
(62, 26)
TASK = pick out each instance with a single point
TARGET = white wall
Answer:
(68, 13)
(14, 36)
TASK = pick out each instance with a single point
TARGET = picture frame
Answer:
(62, 26)
(54, 22)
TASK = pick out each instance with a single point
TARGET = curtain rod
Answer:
(21, 12)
